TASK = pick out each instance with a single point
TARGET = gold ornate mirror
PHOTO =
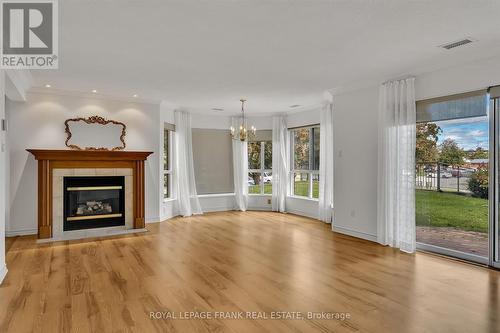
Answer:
(95, 133)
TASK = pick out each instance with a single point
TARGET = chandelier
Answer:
(243, 133)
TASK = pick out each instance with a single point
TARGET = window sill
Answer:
(259, 195)
(302, 198)
(169, 199)
(216, 195)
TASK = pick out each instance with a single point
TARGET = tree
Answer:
(254, 158)
(478, 183)
(478, 153)
(301, 148)
(426, 145)
(450, 153)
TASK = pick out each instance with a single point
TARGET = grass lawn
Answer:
(255, 189)
(438, 209)
(300, 189)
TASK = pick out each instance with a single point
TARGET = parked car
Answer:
(462, 173)
(251, 181)
(446, 174)
(267, 178)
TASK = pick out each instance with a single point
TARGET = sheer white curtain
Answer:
(187, 198)
(280, 163)
(240, 169)
(326, 156)
(396, 165)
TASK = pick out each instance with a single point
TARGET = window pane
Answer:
(254, 180)
(316, 148)
(166, 193)
(254, 155)
(268, 182)
(268, 155)
(301, 184)
(301, 148)
(451, 184)
(166, 138)
(315, 179)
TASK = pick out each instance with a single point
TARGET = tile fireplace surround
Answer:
(54, 165)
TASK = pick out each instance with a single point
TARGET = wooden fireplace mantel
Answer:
(48, 160)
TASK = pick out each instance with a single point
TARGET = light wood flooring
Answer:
(240, 262)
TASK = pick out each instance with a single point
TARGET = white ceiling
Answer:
(208, 54)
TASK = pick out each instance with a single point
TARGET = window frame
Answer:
(169, 172)
(262, 169)
(310, 172)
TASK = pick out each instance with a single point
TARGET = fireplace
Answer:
(93, 202)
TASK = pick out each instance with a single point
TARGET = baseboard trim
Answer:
(3, 273)
(354, 233)
(261, 209)
(153, 219)
(217, 209)
(302, 213)
(20, 232)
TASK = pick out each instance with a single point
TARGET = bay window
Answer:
(167, 162)
(260, 173)
(305, 161)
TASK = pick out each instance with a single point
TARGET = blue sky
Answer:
(469, 133)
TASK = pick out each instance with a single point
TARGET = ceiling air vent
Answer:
(294, 106)
(458, 43)
(217, 109)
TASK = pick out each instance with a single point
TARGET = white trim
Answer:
(21, 232)
(153, 219)
(260, 209)
(218, 209)
(302, 198)
(302, 213)
(354, 233)
(216, 195)
(165, 218)
(453, 253)
(89, 95)
(3, 273)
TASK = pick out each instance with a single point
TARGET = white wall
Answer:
(39, 123)
(458, 79)
(356, 132)
(3, 268)
(355, 175)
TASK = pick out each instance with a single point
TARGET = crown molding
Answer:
(99, 96)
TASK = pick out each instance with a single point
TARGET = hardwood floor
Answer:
(232, 261)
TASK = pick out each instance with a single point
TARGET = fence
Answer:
(442, 177)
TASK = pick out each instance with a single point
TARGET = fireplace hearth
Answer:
(93, 202)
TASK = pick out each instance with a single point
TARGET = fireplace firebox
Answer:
(93, 202)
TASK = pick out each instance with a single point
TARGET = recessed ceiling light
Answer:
(135, 95)
(217, 109)
(295, 106)
(48, 86)
(94, 91)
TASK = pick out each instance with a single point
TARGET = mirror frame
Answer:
(95, 120)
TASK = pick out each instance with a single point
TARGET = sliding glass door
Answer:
(457, 181)
(452, 175)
